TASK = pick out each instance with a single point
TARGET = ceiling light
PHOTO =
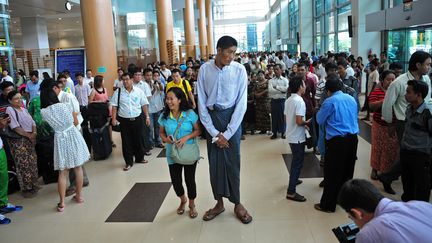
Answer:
(59, 18)
(68, 6)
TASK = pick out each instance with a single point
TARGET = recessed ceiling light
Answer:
(77, 22)
(14, 22)
(18, 29)
(59, 18)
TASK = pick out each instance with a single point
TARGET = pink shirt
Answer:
(100, 97)
(25, 120)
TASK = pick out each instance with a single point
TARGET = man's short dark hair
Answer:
(175, 70)
(419, 87)
(5, 84)
(359, 193)
(226, 42)
(330, 65)
(66, 71)
(333, 84)
(162, 63)
(417, 57)
(147, 70)
(61, 76)
(395, 65)
(88, 69)
(155, 71)
(34, 73)
(375, 62)
(343, 63)
(125, 74)
(295, 83)
(79, 75)
(278, 65)
(302, 64)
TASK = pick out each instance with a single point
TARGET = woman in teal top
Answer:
(177, 108)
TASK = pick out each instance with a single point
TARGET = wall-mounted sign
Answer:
(101, 70)
(70, 59)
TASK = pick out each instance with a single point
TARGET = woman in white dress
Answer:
(70, 150)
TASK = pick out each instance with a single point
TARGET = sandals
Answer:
(210, 214)
(127, 167)
(192, 212)
(245, 218)
(60, 208)
(9, 208)
(297, 197)
(78, 199)
(181, 208)
(4, 220)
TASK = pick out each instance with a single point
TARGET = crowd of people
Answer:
(310, 101)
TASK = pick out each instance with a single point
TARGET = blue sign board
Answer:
(72, 60)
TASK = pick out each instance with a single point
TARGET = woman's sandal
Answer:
(60, 208)
(78, 199)
(192, 212)
(181, 208)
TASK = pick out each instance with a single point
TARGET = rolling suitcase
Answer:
(101, 142)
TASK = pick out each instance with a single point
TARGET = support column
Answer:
(202, 29)
(306, 23)
(209, 14)
(189, 26)
(36, 35)
(363, 41)
(99, 39)
(165, 26)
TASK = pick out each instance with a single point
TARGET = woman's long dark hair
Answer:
(97, 83)
(47, 95)
(184, 103)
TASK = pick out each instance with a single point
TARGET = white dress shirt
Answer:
(277, 87)
(131, 103)
(226, 87)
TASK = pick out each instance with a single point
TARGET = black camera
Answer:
(346, 233)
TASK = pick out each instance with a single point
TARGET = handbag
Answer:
(189, 153)
(116, 128)
(10, 133)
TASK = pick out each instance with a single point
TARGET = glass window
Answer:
(318, 7)
(331, 42)
(228, 9)
(396, 46)
(343, 14)
(341, 2)
(344, 42)
(328, 5)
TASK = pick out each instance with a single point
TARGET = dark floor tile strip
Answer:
(141, 203)
(311, 167)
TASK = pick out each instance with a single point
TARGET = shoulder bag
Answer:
(116, 128)
(189, 153)
(10, 133)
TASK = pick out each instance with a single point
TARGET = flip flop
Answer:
(9, 208)
(78, 200)
(4, 220)
(60, 209)
(210, 215)
(245, 219)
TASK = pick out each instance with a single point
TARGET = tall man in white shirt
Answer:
(295, 113)
(277, 89)
(131, 111)
(222, 92)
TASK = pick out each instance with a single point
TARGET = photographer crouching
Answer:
(383, 220)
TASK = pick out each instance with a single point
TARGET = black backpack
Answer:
(13, 184)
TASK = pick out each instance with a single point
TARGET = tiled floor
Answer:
(264, 180)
